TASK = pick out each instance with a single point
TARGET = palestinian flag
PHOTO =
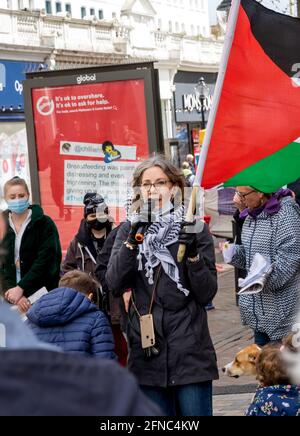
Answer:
(256, 135)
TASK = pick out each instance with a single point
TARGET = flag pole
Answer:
(231, 26)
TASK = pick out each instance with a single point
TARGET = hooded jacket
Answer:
(40, 255)
(81, 254)
(66, 318)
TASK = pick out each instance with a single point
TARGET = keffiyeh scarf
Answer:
(159, 236)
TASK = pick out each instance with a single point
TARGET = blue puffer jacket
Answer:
(67, 318)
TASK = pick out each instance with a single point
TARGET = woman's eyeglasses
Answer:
(243, 196)
(161, 184)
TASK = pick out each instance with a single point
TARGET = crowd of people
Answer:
(121, 297)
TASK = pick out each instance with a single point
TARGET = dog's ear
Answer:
(252, 357)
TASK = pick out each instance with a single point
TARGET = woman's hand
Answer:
(239, 202)
(13, 295)
(126, 299)
(23, 305)
(189, 239)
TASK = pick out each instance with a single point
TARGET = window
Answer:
(192, 29)
(83, 12)
(9, 4)
(68, 8)
(100, 14)
(170, 26)
(31, 4)
(159, 24)
(48, 7)
(20, 4)
(58, 7)
(92, 11)
(176, 27)
(183, 27)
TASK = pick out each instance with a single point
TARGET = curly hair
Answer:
(270, 366)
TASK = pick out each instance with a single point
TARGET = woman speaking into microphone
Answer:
(171, 352)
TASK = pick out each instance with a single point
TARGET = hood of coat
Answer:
(59, 307)
(84, 234)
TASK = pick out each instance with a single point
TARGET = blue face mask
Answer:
(18, 206)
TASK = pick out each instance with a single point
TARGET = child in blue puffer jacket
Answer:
(68, 318)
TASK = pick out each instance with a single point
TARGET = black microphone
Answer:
(147, 210)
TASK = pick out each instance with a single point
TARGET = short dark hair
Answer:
(107, 144)
(81, 282)
(66, 146)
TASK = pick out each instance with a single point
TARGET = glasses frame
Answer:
(243, 196)
(158, 189)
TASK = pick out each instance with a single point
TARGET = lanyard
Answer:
(153, 293)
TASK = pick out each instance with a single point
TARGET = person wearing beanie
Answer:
(89, 240)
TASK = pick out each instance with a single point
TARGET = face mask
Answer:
(18, 206)
(97, 225)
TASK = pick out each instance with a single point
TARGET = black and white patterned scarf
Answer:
(159, 236)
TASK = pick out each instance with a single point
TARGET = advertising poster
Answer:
(89, 138)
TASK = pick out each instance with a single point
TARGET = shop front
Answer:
(13, 142)
(191, 110)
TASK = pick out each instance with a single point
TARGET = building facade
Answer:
(38, 34)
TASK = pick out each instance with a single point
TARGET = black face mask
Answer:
(97, 225)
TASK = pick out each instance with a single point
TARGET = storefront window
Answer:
(188, 108)
(183, 141)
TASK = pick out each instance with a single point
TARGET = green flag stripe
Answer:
(271, 173)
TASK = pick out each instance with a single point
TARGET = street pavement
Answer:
(231, 396)
(231, 405)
